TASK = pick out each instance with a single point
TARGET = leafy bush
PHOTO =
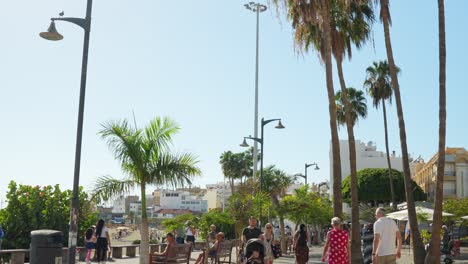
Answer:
(35, 207)
(374, 185)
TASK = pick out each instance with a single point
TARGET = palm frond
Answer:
(106, 188)
(174, 169)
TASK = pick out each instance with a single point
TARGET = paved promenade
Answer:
(315, 257)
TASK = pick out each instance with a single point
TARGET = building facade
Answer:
(455, 174)
(367, 156)
(217, 195)
(182, 200)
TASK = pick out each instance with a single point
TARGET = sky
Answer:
(194, 61)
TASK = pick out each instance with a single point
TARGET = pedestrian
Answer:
(212, 234)
(190, 235)
(367, 241)
(2, 234)
(103, 241)
(90, 241)
(337, 248)
(268, 243)
(252, 231)
(301, 250)
(385, 233)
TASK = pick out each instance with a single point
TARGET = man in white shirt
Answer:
(385, 233)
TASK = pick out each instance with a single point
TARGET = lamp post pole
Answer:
(257, 8)
(261, 141)
(306, 166)
(86, 25)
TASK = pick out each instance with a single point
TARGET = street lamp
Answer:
(52, 34)
(257, 8)
(305, 171)
(261, 141)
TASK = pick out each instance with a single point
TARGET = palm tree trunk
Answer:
(337, 196)
(356, 255)
(144, 244)
(390, 175)
(232, 185)
(433, 255)
(418, 247)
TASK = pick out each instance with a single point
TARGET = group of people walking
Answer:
(379, 242)
(97, 237)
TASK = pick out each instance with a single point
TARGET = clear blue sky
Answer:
(194, 61)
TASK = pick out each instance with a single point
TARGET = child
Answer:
(90, 239)
(254, 258)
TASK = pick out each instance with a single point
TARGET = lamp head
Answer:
(280, 125)
(51, 33)
(244, 144)
(316, 167)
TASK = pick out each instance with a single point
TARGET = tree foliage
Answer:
(456, 206)
(373, 186)
(307, 207)
(35, 207)
(223, 222)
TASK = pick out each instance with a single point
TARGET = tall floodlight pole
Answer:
(257, 8)
(52, 34)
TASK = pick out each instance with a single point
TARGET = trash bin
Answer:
(46, 247)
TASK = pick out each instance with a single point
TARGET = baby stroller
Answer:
(446, 252)
(254, 245)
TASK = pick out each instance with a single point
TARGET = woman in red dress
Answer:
(337, 245)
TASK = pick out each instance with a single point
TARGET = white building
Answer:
(367, 156)
(217, 195)
(182, 200)
(119, 205)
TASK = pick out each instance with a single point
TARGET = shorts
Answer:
(90, 245)
(190, 238)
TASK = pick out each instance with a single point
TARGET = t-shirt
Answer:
(387, 229)
(250, 233)
(103, 232)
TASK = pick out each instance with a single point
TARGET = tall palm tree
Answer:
(350, 24)
(145, 156)
(358, 106)
(418, 246)
(276, 182)
(306, 15)
(379, 87)
(433, 255)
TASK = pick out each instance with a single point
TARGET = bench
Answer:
(17, 256)
(223, 254)
(117, 251)
(182, 255)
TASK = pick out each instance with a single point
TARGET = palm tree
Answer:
(433, 255)
(358, 106)
(350, 24)
(306, 15)
(145, 156)
(379, 87)
(418, 247)
(276, 182)
(236, 165)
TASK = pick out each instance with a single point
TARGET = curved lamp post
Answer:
(306, 166)
(257, 8)
(53, 35)
(261, 141)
